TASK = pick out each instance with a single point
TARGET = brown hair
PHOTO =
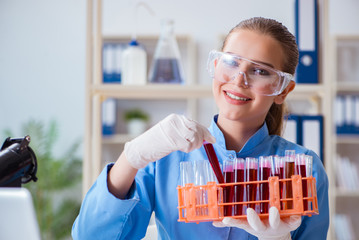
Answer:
(279, 32)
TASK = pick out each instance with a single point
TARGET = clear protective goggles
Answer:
(262, 79)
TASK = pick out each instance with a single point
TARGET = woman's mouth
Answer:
(235, 97)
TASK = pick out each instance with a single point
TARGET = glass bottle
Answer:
(166, 65)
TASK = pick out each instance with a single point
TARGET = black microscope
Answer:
(18, 164)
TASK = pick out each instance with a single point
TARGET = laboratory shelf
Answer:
(152, 91)
(302, 91)
(117, 139)
(347, 87)
(340, 193)
(347, 139)
(173, 91)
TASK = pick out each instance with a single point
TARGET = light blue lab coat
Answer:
(103, 216)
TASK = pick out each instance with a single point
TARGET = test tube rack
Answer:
(190, 203)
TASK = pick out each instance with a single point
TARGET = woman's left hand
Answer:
(272, 228)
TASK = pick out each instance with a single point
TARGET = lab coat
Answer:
(103, 216)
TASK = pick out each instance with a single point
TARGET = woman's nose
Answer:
(241, 79)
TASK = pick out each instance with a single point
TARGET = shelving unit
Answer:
(97, 91)
(345, 200)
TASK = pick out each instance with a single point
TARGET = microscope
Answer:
(18, 164)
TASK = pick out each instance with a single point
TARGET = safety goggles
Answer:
(262, 79)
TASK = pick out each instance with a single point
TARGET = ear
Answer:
(281, 97)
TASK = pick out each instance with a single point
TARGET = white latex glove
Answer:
(273, 228)
(175, 132)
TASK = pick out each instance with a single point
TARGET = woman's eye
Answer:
(261, 72)
(230, 62)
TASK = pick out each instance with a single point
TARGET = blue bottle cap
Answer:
(133, 43)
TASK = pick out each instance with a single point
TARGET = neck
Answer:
(236, 133)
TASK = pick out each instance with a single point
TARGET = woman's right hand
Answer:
(175, 132)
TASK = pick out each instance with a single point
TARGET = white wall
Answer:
(42, 47)
(42, 65)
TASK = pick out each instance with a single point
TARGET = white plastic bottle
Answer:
(134, 65)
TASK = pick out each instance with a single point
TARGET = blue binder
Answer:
(312, 133)
(293, 130)
(306, 27)
(111, 57)
(308, 132)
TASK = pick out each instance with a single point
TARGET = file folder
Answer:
(111, 57)
(305, 130)
(306, 27)
(339, 114)
(312, 130)
(108, 66)
(346, 114)
(292, 131)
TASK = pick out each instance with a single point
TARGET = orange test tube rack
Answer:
(192, 207)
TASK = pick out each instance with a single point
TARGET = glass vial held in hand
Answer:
(166, 65)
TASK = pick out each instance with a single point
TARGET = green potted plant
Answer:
(136, 120)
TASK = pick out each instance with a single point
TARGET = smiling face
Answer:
(235, 100)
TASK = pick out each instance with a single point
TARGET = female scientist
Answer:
(252, 76)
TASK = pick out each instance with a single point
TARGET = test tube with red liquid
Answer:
(239, 176)
(289, 170)
(304, 164)
(301, 170)
(228, 191)
(251, 175)
(279, 172)
(265, 167)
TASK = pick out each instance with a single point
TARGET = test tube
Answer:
(265, 167)
(279, 172)
(239, 177)
(289, 170)
(187, 177)
(309, 172)
(200, 179)
(228, 191)
(186, 172)
(301, 170)
(210, 173)
(251, 175)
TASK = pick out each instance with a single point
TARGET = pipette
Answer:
(212, 157)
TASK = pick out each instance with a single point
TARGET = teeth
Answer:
(236, 97)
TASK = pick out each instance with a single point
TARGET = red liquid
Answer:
(228, 193)
(304, 186)
(289, 169)
(239, 191)
(264, 190)
(280, 175)
(252, 188)
(213, 160)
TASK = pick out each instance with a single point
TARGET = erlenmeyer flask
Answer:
(166, 64)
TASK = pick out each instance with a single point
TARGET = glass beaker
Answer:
(166, 64)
